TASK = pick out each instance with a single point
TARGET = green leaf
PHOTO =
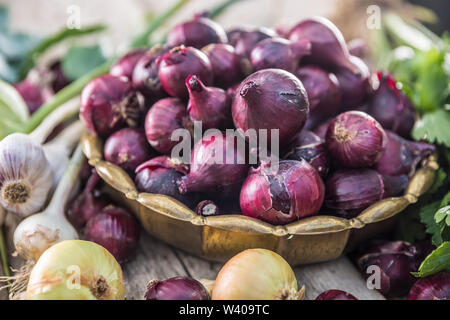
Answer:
(427, 217)
(13, 110)
(82, 60)
(434, 127)
(441, 178)
(442, 214)
(4, 18)
(437, 261)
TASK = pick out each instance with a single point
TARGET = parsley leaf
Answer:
(437, 261)
(434, 127)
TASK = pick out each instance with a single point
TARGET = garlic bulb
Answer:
(25, 175)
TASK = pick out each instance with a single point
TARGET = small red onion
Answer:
(116, 230)
(127, 148)
(435, 287)
(109, 103)
(402, 156)
(88, 203)
(211, 106)
(391, 107)
(145, 74)
(335, 295)
(235, 34)
(34, 92)
(59, 79)
(354, 85)
(162, 119)
(225, 63)
(323, 91)
(351, 191)
(125, 66)
(216, 164)
(180, 62)
(356, 140)
(197, 33)
(159, 175)
(321, 130)
(310, 147)
(246, 40)
(179, 288)
(207, 208)
(358, 47)
(293, 192)
(279, 53)
(271, 99)
(328, 48)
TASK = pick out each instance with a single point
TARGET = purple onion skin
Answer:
(271, 99)
(321, 130)
(391, 107)
(33, 94)
(59, 79)
(402, 156)
(435, 287)
(351, 191)
(127, 148)
(178, 64)
(395, 271)
(328, 48)
(88, 203)
(335, 295)
(358, 47)
(294, 192)
(179, 288)
(356, 140)
(235, 34)
(279, 53)
(355, 85)
(115, 229)
(125, 66)
(245, 41)
(109, 103)
(162, 119)
(145, 74)
(310, 147)
(159, 176)
(216, 165)
(207, 208)
(210, 105)
(324, 95)
(197, 33)
(225, 64)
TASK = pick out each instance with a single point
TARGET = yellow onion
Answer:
(76, 270)
(256, 274)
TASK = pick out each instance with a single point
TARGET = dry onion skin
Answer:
(257, 274)
(76, 270)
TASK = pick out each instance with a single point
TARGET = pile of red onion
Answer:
(271, 120)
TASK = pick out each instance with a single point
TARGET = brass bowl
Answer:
(218, 238)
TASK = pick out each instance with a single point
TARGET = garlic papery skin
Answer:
(76, 270)
(26, 176)
(256, 274)
(38, 232)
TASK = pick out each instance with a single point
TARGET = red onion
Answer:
(271, 99)
(125, 66)
(328, 48)
(356, 140)
(310, 147)
(33, 92)
(402, 156)
(321, 130)
(59, 79)
(108, 103)
(207, 208)
(180, 62)
(279, 53)
(391, 107)
(197, 33)
(322, 88)
(235, 34)
(88, 203)
(358, 47)
(354, 85)
(225, 63)
(116, 230)
(245, 41)
(159, 176)
(435, 287)
(162, 119)
(211, 106)
(335, 295)
(179, 288)
(127, 148)
(351, 191)
(293, 192)
(145, 75)
(216, 164)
